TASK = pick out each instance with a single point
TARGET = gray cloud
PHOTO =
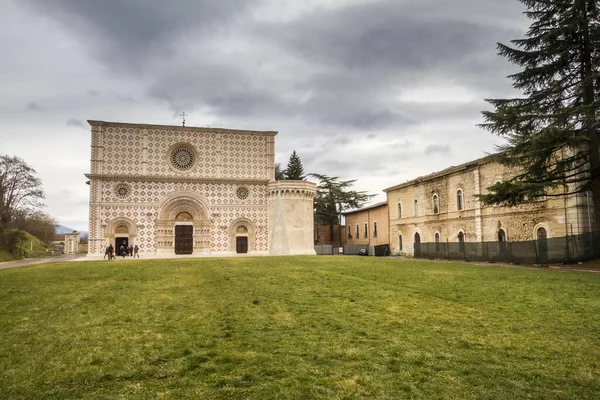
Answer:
(77, 122)
(342, 67)
(126, 34)
(33, 106)
(435, 148)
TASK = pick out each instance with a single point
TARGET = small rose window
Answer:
(122, 190)
(242, 192)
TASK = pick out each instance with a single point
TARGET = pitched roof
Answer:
(450, 170)
(383, 203)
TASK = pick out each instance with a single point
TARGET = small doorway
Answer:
(241, 244)
(542, 245)
(121, 241)
(417, 244)
(184, 241)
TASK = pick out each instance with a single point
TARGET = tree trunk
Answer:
(590, 124)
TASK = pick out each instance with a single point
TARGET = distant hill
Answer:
(61, 230)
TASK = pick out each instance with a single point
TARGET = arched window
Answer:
(400, 242)
(541, 234)
(357, 232)
(437, 241)
(459, 200)
(416, 206)
(461, 242)
(501, 235)
(399, 210)
(501, 240)
(436, 204)
(366, 230)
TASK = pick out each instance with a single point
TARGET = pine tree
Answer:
(552, 132)
(294, 170)
(333, 198)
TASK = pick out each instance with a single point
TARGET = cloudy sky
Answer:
(381, 91)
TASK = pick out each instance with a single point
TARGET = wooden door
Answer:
(241, 244)
(184, 242)
(417, 245)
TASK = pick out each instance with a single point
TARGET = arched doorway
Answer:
(417, 244)
(542, 245)
(242, 236)
(184, 233)
(183, 225)
(241, 239)
(121, 239)
(461, 242)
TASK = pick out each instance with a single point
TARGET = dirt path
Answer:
(43, 260)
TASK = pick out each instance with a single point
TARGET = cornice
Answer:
(445, 172)
(179, 128)
(163, 178)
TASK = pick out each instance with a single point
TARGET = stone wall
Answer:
(557, 215)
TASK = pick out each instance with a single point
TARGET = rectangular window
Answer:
(349, 233)
(357, 232)
(366, 230)
(374, 229)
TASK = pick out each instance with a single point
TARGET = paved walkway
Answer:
(43, 260)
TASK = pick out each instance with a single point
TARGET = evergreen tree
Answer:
(294, 170)
(279, 173)
(333, 197)
(552, 132)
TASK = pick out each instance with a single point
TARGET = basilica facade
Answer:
(175, 190)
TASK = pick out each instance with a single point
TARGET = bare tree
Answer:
(20, 191)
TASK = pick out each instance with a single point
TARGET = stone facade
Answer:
(188, 190)
(72, 243)
(443, 207)
(367, 226)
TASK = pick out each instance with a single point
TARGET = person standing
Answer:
(136, 251)
(111, 252)
(123, 251)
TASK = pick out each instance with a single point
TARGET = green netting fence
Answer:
(567, 249)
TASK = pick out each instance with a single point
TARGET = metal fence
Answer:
(556, 250)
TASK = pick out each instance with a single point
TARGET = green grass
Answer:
(297, 328)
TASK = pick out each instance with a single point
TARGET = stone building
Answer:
(442, 207)
(72, 243)
(193, 191)
(366, 228)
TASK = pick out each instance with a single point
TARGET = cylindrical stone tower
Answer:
(291, 222)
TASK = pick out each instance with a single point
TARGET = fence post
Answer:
(537, 256)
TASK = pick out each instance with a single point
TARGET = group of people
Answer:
(123, 252)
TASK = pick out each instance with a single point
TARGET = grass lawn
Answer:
(297, 328)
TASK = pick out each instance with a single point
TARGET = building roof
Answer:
(179, 128)
(383, 203)
(447, 171)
